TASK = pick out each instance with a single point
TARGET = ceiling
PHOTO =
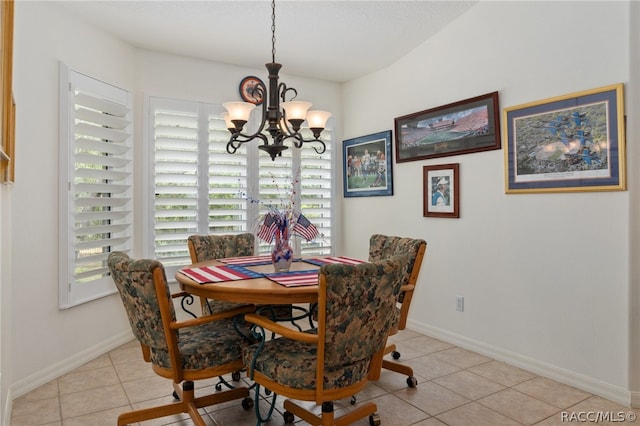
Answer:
(330, 40)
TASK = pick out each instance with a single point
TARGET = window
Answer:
(95, 184)
(199, 188)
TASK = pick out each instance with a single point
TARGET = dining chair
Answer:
(384, 246)
(183, 351)
(356, 309)
(210, 247)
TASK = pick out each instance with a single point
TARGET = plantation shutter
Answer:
(316, 185)
(228, 180)
(199, 188)
(176, 155)
(96, 184)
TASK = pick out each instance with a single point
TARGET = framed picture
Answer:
(7, 104)
(471, 125)
(569, 143)
(248, 90)
(367, 165)
(441, 191)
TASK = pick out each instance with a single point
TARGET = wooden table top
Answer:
(254, 290)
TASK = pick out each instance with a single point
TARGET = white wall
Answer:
(46, 340)
(545, 277)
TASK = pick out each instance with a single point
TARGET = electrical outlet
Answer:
(459, 303)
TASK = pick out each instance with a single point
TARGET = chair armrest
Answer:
(407, 287)
(274, 327)
(211, 318)
(180, 294)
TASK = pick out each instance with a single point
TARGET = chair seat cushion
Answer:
(207, 345)
(292, 363)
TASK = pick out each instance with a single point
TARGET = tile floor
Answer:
(455, 387)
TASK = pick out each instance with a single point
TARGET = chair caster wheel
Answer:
(288, 417)
(218, 387)
(395, 355)
(247, 404)
(374, 419)
(175, 395)
(235, 376)
(353, 400)
(267, 392)
(412, 382)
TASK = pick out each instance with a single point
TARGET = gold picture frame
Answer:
(568, 143)
(7, 102)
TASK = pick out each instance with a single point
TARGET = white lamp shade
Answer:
(227, 121)
(239, 110)
(296, 110)
(317, 119)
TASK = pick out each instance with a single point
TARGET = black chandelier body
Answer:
(281, 119)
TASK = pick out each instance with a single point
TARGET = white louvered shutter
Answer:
(199, 188)
(316, 193)
(96, 184)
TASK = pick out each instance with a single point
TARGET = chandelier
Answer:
(280, 123)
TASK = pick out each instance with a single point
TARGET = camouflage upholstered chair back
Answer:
(384, 246)
(183, 351)
(135, 282)
(356, 305)
(207, 247)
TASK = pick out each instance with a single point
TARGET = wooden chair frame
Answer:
(183, 379)
(406, 293)
(319, 395)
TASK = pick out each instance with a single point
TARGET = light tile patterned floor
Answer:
(455, 387)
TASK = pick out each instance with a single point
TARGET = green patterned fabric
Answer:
(209, 247)
(203, 346)
(359, 316)
(383, 246)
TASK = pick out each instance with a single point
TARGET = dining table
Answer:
(252, 279)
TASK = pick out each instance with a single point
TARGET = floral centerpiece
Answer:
(279, 224)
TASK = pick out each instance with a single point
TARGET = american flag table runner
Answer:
(334, 259)
(250, 260)
(295, 279)
(247, 260)
(216, 274)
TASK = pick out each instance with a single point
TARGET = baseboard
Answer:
(56, 370)
(6, 415)
(571, 378)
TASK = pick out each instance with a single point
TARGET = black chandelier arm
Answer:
(298, 141)
(238, 139)
(283, 90)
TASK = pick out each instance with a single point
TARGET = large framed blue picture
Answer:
(367, 167)
(569, 143)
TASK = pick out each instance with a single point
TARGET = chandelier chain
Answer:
(273, 30)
